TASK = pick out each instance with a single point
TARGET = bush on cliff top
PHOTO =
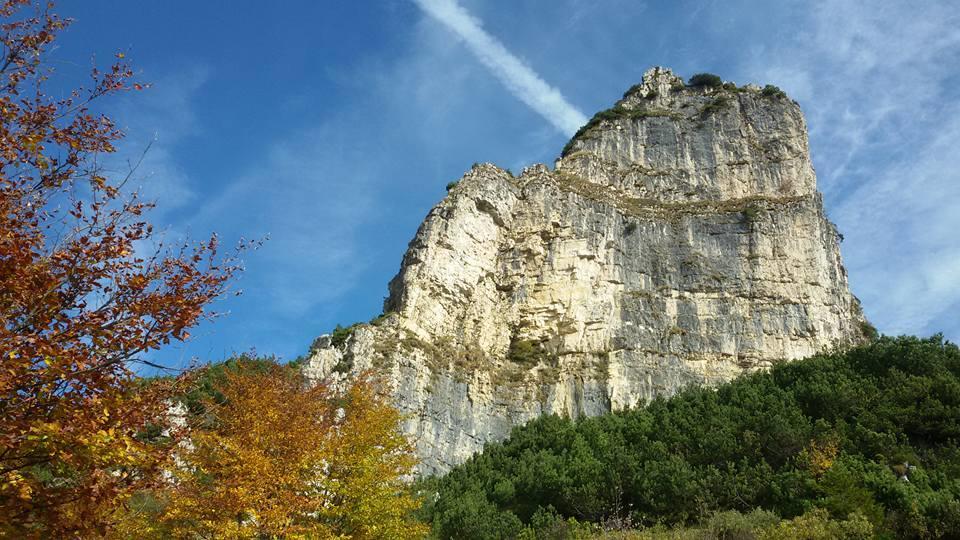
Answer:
(705, 79)
(773, 91)
(871, 432)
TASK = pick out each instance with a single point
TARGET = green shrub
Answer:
(868, 330)
(340, 335)
(452, 185)
(772, 91)
(845, 492)
(298, 362)
(746, 444)
(344, 365)
(715, 105)
(381, 318)
(817, 525)
(546, 524)
(633, 89)
(705, 79)
(524, 351)
(751, 213)
(471, 516)
(732, 525)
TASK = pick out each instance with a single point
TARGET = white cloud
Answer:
(902, 236)
(308, 194)
(519, 78)
(878, 86)
(340, 195)
(156, 120)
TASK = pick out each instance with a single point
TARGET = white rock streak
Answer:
(519, 78)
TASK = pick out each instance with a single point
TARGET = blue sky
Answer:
(332, 127)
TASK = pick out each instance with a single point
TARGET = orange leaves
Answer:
(80, 464)
(76, 303)
(275, 458)
(262, 460)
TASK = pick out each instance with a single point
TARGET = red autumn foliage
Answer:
(82, 296)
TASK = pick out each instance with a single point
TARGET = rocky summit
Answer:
(679, 239)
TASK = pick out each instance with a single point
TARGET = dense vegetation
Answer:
(705, 79)
(773, 91)
(837, 446)
(88, 289)
(265, 455)
(868, 435)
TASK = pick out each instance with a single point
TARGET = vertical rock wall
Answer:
(680, 240)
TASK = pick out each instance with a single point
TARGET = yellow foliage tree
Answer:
(820, 456)
(276, 458)
(368, 460)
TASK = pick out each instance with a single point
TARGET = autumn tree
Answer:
(368, 461)
(85, 289)
(270, 456)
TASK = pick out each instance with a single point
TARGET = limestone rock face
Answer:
(679, 240)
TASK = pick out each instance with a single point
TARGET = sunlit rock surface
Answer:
(680, 240)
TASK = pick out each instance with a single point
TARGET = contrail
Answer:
(519, 79)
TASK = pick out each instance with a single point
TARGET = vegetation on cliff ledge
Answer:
(701, 80)
(862, 441)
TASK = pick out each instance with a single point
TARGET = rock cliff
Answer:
(679, 240)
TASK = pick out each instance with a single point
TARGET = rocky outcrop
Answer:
(679, 240)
